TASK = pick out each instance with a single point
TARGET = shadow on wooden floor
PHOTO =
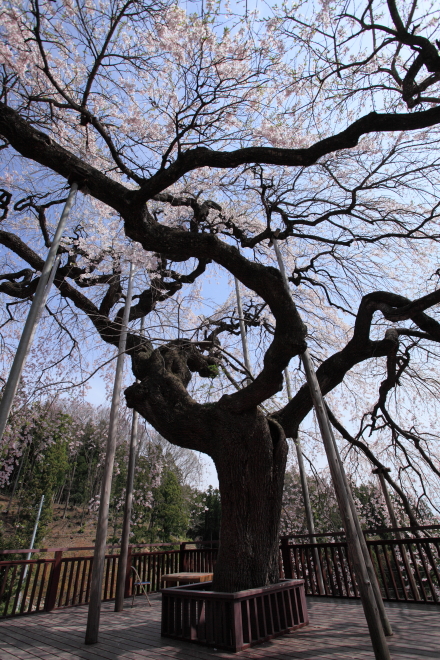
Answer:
(337, 632)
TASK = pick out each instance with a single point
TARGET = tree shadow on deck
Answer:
(337, 632)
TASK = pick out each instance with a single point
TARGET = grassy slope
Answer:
(61, 532)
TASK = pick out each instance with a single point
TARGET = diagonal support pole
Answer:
(367, 558)
(244, 344)
(363, 576)
(306, 497)
(38, 302)
(125, 538)
(372, 603)
(297, 443)
(394, 523)
(94, 613)
(29, 554)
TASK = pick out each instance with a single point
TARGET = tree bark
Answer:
(251, 464)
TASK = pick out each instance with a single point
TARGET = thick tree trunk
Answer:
(251, 465)
(249, 451)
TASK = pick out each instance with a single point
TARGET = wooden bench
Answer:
(174, 579)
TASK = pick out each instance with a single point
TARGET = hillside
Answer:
(61, 532)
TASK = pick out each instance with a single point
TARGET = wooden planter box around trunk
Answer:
(233, 621)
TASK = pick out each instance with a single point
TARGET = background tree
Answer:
(199, 139)
(61, 456)
(170, 514)
(206, 515)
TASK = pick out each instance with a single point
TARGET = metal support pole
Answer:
(38, 302)
(247, 362)
(302, 472)
(125, 538)
(368, 597)
(94, 612)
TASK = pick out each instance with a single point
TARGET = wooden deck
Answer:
(337, 631)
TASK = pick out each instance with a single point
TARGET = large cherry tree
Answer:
(195, 141)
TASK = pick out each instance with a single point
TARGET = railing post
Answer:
(287, 558)
(237, 626)
(51, 594)
(127, 590)
(182, 559)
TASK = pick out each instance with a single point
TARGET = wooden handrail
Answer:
(377, 530)
(115, 547)
(408, 570)
(343, 542)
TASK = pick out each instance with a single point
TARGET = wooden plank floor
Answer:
(337, 631)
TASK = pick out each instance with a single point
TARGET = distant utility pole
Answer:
(94, 613)
(372, 603)
(125, 538)
(38, 302)
(34, 533)
(29, 554)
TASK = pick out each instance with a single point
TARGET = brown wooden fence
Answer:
(407, 569)
(60, 581)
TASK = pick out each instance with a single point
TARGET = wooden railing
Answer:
(407, 569)
(60, 581)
